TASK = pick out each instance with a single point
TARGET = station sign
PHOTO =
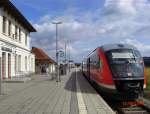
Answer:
(61, 53)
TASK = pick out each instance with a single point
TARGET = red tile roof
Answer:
(40, 55)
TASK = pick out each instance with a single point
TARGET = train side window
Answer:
(100, 64)
(97, 60)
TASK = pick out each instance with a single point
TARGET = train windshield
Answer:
(125, 63)
(122, 55)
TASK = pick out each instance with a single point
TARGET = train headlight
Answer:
(141, 61)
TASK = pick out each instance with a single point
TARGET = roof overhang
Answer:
(12, 10)
(45, 61)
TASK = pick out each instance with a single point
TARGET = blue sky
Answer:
(35, 9)
(88, 24)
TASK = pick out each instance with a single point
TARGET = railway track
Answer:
(133, 110)
(133, 107)
(141, 106)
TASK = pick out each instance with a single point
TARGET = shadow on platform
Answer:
(85, 86)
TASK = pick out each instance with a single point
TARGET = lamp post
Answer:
(57, 74)
(69, 59)
(65, 57)
(65, 51)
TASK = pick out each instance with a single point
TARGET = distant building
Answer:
(43, 62)
(15, 56)
(71, 63)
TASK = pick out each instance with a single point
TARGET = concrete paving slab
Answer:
(17, 80)
(93, 102)
(42, 95)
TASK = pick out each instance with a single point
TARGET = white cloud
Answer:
(118, 21)
(144, 48)
(123, 6)
(125, 17)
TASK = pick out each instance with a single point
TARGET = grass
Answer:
(148, 78)
(147, 91)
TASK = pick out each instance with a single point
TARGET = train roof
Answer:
(108, 47)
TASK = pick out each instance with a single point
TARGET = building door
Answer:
(9, 65)
(3, 65)
(15, 64)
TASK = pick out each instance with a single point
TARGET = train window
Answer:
(95, 61)
(98, 61)
(137, 54)
(119, 55)
(100, 64)
(124, 62)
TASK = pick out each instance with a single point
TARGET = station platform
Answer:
(92, 101)
(43, 95)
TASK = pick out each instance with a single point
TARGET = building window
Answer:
(16, 32)
(4, 24)
(9, 28)
(26, 63)
(19, 34)
(18, 63)
(26, 39)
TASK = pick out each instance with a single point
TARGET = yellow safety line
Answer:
(81, 105)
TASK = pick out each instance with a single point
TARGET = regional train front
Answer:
(127, 68)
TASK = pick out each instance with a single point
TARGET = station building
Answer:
(43, 63)
(15, 55)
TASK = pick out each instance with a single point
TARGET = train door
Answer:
(101, 67)
(88, 68)
(97, 71)
(82, 67)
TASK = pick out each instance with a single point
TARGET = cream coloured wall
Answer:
(16, 47)
(10, 38)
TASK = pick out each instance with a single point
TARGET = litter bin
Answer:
(62, 69)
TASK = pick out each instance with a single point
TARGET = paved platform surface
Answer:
(43, 95)
(17, 79)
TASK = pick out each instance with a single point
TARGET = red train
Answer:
(117, 69)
